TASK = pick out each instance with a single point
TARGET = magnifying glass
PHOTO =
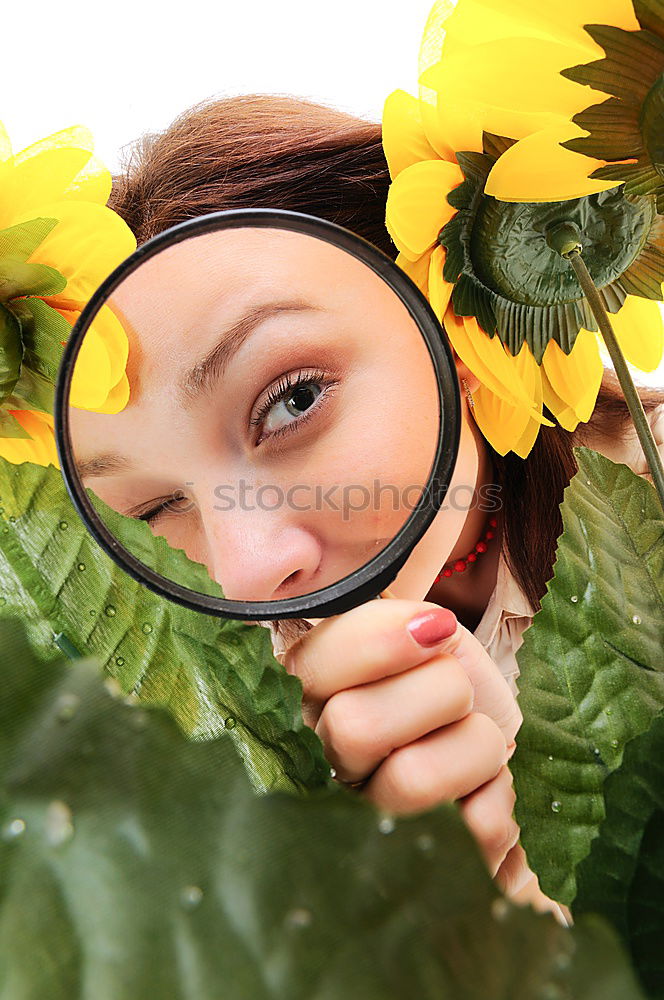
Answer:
(258, 416)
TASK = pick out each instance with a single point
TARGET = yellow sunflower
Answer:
(512, 308)
(58, 241)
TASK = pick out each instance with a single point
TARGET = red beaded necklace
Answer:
(459, 565)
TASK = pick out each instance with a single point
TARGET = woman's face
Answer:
(290, 461)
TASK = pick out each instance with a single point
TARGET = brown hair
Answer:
(282, 152)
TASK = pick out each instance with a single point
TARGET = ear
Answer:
(464, 372)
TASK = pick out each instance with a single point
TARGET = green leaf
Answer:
(206, 670)
(10, 427)
(591, 664)
(22, 240)
(18, 278)
(11, 352)
(44, 332)
(138, 864)
(154, 551)
(32, 392)
(623, 876)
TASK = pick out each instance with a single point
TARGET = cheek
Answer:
(416, 576)
(380, 452)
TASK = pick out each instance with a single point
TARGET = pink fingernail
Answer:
(432, 627)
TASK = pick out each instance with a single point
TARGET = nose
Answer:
(261, 555)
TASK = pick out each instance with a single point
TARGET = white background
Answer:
(124, 67)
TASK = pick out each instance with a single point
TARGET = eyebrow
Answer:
(103, 465)
(201, 376)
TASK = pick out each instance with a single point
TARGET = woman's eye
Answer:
(153, 510)
(289, 403)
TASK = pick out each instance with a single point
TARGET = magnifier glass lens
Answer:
(254, 413)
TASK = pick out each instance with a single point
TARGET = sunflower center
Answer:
(511, 255)
(651, 121)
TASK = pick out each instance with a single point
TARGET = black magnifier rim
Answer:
(370, 579)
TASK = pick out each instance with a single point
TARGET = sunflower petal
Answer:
(516, 81)
(577, 376)
(417, 205)
(86, 245)
(440, 291)
(477, 21)
(109, 328)
(117, 398)
(501, 423)
(431, 46)
(39, 448)
(91, 381)
(538, 168)
(524, 445)
(488, 360)
(563, 413)
(417, 270)
(37, 180)
(5, 145)
(404, 139)
(532, 377)
(639, 329)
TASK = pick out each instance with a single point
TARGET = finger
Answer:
(326, 658)
(488, 813)
(361, 645)
(493, 696)
(514, 874)
(360, 726)
(440, 767)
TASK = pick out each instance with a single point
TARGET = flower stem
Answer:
(629, 389)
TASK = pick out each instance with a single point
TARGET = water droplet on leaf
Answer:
(386, 824)
(12, 519)
(139, 720)
(63, 525)
(574, 598)
(230, 722)
(550, 992)
(66, 707)
(500, 909)
(112, 685)
(556, 806)
(298, 918)
(562, 962)
(59, 826)
(110, 611)
(636, 619)
(191, 896)
(13, 829)
(81, 567)
(615, 744)
(147, 628)
(119, 660)
(425, 843)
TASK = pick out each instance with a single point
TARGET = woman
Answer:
(412, 720)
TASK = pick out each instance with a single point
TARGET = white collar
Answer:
(507, 601)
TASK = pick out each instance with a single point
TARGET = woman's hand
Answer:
(424, 724)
